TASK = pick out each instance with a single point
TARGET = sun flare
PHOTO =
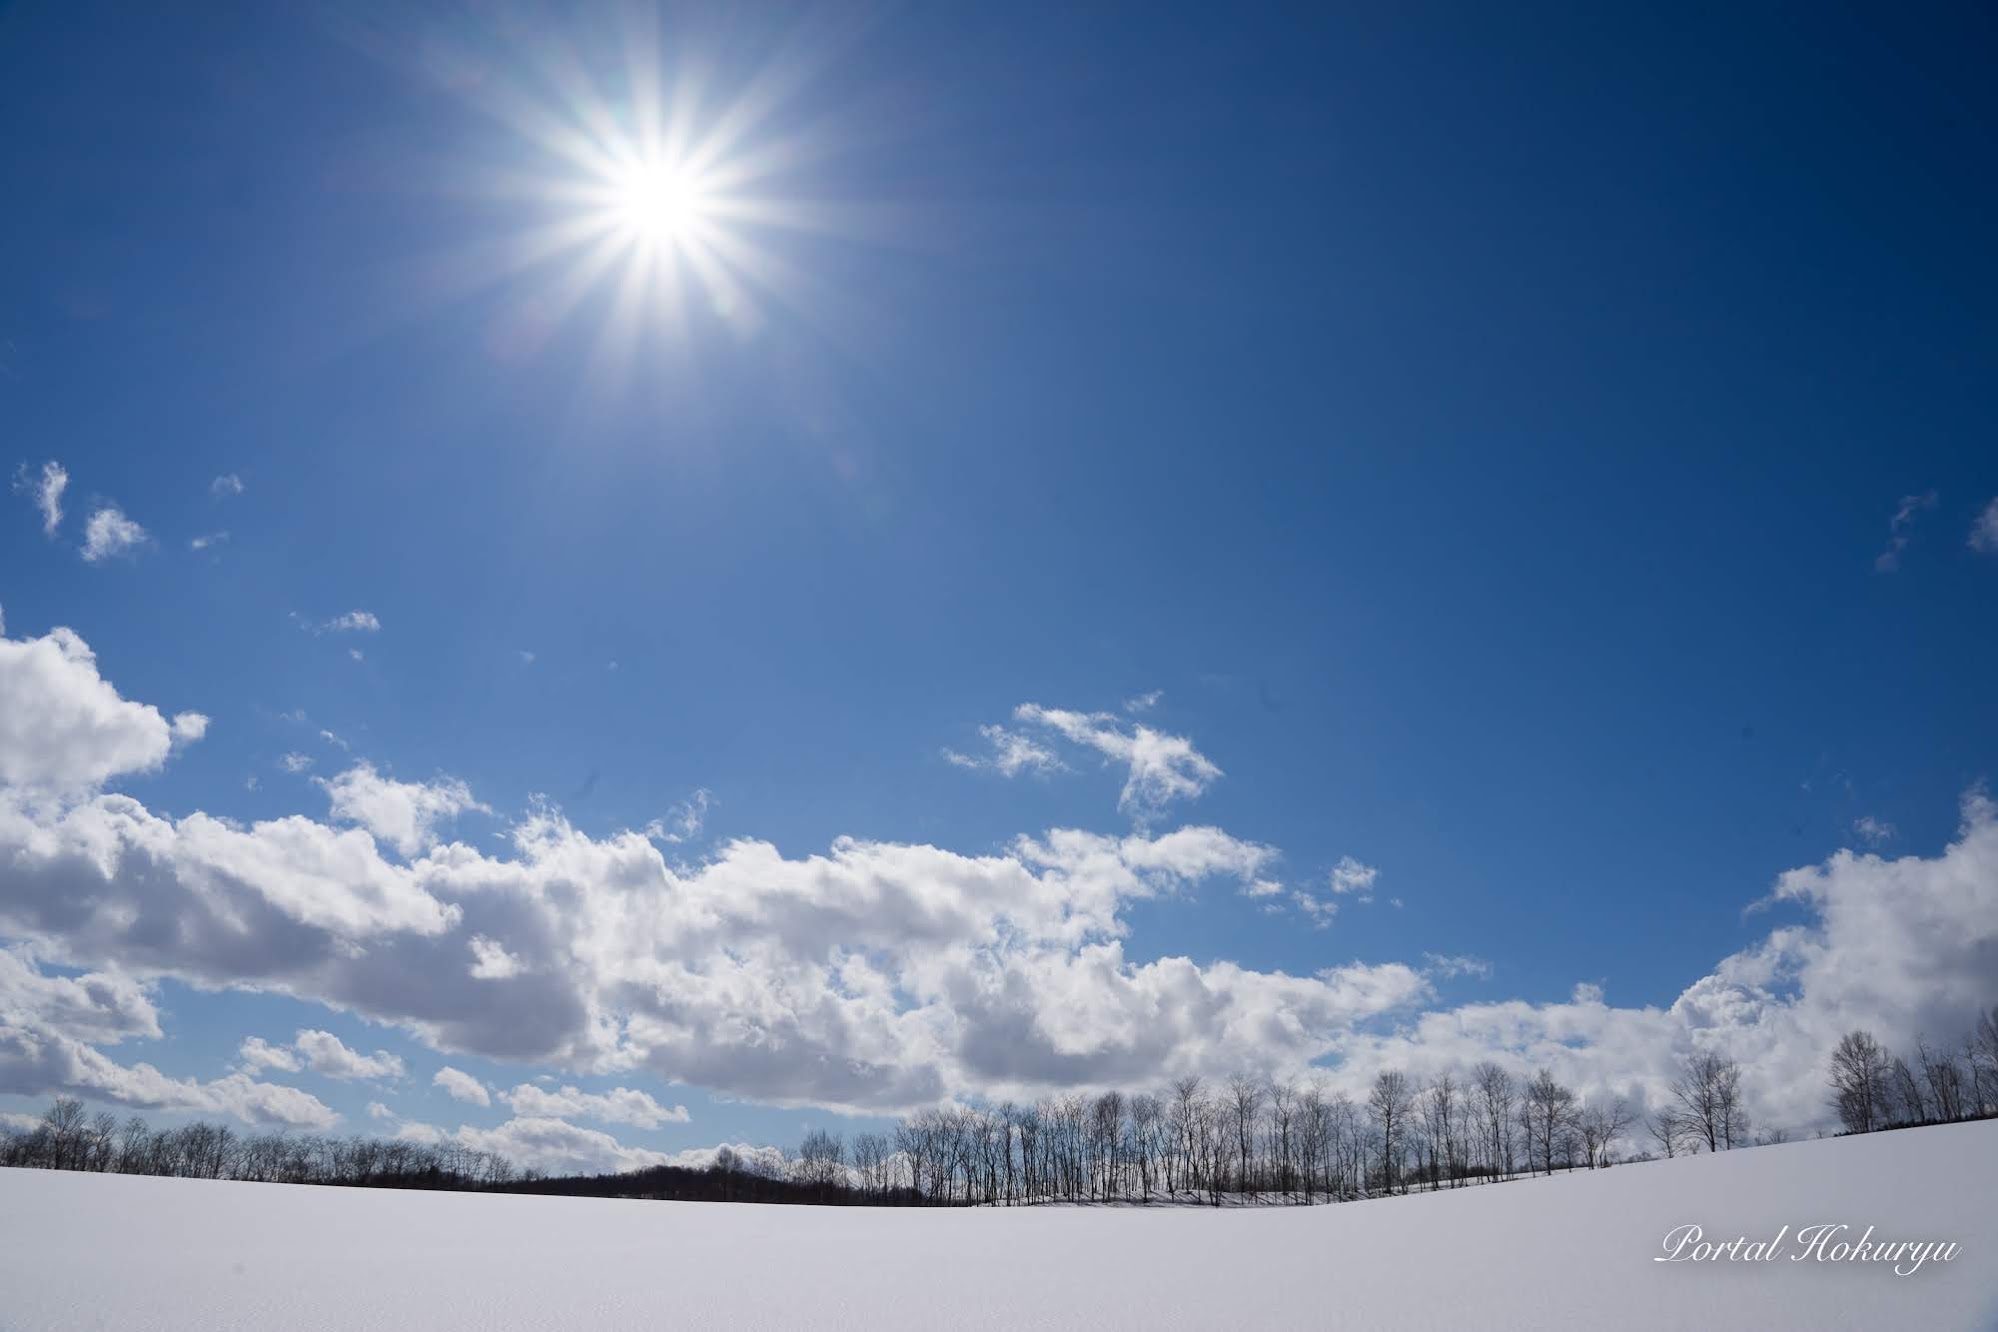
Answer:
(658, 204)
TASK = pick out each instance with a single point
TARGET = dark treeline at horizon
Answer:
(1242, 1140)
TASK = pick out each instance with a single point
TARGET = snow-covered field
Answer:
(1571, 1252)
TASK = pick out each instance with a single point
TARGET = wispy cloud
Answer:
(45, 488)
(1144, 702)
(1012, 754)
(1160, 768)
(1984, 532)
(225, 485)
(209, 539)
(1872, 831)
(1445, 966)
(1889, 559)
(353, 622)
(683, 822)
(109, 533)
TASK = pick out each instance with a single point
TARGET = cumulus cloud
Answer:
(62, 725)
(1889, 560)
(403, 814)
(1012, 754)
(876, 976)
(1160, 768)
(50, 1026)
(259, 1054)
(1351, 876)
(1984, 532)
(620, 1105)
(98, 1008)
(226, 485)
(353, 622)
(491, 961)
(325, 1054)
(45, 489)
(461, 1086)
(558, 1147)
(1899, 947)
(319, 1052)
(108, 533)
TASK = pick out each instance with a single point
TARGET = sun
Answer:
(654, 203)
(657, 193)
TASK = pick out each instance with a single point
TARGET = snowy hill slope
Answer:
(1573, 1251)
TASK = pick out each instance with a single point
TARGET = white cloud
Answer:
(188, 727)
(403, 814)
(1317, 910)
(1262, 888)
(208, 539)
(1350, 876)
(1984, 532)
(876, 976)
(355, 621)
(1889, 559)
(259, 1055)
(226, 485)
(295, 762)
(1144, 702)
(491, 961)
(461, 1086)
(684, 821)
(759, 1160)
(1012, 754)
(45, 488)
(1448, 967)
(1874, 832)
(325, 1054)
(108, 533)
(37, 1062)
(376, 1110)
(558, 1147)
(1161, 768)
(99, 1008)
(620, 1105)
(62, 725)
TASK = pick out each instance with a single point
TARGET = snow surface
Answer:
(1570, 1252)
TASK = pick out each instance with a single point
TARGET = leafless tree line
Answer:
(1244, 1139)
(1873, 1089)
(68, 1138)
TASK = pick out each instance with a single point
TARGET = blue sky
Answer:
(1484, 430)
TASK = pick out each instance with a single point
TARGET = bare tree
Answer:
(1600, 1124)
(1493, 1089)
(1389, 1103)
(1859, 1082)
(1547, 1111)
(1669, 1129)
(1245, 1098)
(1708, 1090)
